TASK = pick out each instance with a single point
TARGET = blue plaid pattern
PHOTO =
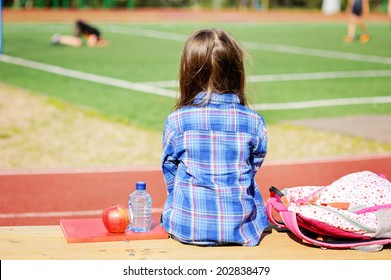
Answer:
(210, 156)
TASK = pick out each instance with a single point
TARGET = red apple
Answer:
(116, 218)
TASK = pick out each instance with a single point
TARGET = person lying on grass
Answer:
(82, 30)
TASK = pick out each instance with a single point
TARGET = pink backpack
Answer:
(353, 212)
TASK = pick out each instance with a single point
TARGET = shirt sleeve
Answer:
(260, 150)
(169, 159)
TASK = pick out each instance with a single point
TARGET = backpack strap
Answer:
(277, 202)
(290, 221)
(271, 206)
(338, 205)
(274, 192)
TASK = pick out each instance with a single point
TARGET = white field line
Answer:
(295, 77)
(263, 46)
(322, 103)
(150, 89)
(319, 76)
(153, 88)
(87, 76)
(177, 37)
(318, 52)
(60, 214)
(150, 33)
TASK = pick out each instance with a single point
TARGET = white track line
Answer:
(60, 214)
(322, 103)
(87, 76)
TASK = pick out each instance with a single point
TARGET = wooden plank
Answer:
(48, 242)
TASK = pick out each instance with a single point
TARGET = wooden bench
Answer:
(48, 243)
(24, 238)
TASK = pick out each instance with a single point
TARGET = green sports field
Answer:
(295, 70)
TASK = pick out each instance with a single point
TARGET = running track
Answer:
(43, 197)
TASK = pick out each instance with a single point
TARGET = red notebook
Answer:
(93, 230)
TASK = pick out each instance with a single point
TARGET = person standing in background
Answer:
(357, 10)
(255, 4)
(389, 10)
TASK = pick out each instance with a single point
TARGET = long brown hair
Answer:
(212, 61)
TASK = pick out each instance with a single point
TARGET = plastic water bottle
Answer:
(140, 203)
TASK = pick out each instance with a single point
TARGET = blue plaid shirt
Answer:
(210, 156)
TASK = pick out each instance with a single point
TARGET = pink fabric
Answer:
(290, 221)
(366, 192)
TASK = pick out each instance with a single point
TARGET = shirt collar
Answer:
(217, 98)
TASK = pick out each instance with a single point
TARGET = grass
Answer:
(44, 132)
(136, 58)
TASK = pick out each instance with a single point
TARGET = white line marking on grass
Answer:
(319, 76)
(87, 76)
(322, 103)
(318, 52)
(60, 214)
(150, 89)
(155, 34)
(264, 46)
(295, 77)
(163, 84)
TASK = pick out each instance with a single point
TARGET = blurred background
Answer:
(376, 5)
(82, 107)
(79, 126)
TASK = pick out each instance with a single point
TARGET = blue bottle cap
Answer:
(141, 186)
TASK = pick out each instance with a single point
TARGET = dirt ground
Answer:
(36, 131)
(39, 132)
